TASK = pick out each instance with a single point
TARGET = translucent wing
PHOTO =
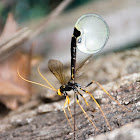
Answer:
(82, 66)
(56, 67)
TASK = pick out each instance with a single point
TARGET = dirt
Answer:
(43, 117)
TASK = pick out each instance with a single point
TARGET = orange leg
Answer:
(86, 114)
(67, 102)
(107, 94)
(98, 106)
(86, 101)
(70, 112)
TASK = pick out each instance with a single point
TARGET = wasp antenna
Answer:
(32, 81)
(87, 115)
(45, 79)
(65, 112)
(110, 96)
(98, 106)
(71, 113)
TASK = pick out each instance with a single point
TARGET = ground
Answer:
(43, 117)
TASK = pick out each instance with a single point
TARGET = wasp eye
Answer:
(94, 33)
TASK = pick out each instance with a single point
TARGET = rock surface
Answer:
(129, 131)
(43, 117)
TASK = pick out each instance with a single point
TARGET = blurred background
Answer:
(32, 32)
(122, 18)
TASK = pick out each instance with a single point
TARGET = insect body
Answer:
(90, 36)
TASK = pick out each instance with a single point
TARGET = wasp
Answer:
(90, 35)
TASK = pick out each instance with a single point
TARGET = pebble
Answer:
(138, 106)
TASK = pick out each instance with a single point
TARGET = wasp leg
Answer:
(66, 102)
(70, 112)
(86, 101)
(98, 106)
(107, 94)
(86, 114)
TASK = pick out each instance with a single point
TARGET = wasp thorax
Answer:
(62, 88)
(66, 87)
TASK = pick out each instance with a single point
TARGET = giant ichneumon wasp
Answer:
(90, 35)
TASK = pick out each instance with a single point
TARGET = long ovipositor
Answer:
(90, 36)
